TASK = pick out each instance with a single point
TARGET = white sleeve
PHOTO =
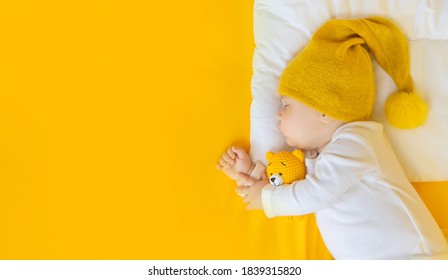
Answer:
(341, 165)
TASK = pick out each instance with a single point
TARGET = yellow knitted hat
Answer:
(334, 75)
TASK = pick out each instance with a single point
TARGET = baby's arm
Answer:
(343, 165)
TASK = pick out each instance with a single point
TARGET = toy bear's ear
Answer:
(269, 156)
(298, 154)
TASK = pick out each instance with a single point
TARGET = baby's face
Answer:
(302, 126)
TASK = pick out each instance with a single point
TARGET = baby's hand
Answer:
(252, 193)
(235, 161)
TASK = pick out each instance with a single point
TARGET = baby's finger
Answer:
(240, 152)
(226, 157)
(222, 167)
(225, 165)
(249, 206)
(242, 191)
(218, 166)
(230, 152)
(240, 194)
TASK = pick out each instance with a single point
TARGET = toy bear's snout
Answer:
(276, 179)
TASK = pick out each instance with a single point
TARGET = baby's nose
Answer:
(279, 114)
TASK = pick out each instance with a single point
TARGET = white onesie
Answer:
(365, 206)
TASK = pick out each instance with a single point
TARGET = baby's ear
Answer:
(298, 154)
(269, 156)
(326, 119)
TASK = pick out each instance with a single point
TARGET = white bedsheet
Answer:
(283, 27)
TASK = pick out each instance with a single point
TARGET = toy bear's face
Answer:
(285, 167)
(276, 179)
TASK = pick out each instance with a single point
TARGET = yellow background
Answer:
(113, 115)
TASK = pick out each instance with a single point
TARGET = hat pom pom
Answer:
(406, 110)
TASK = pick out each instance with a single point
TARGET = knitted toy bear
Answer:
(285, 167)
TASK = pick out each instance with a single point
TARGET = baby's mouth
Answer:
(279, 127)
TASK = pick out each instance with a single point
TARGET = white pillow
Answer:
(283, 27)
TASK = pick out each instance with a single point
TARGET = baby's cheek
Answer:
(286, 127)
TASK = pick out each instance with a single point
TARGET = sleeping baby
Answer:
(365, 206)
